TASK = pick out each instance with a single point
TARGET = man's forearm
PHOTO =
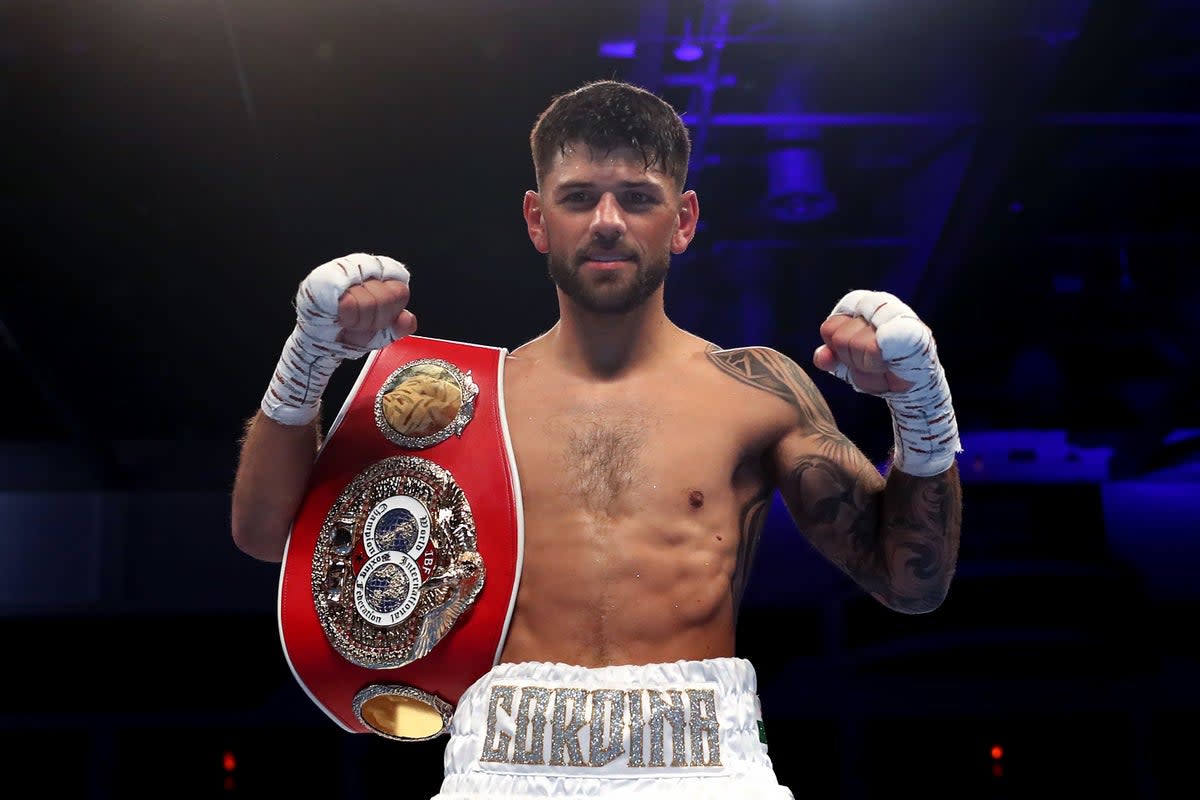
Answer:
(920, 522)
(273, 471)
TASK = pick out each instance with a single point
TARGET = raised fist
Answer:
(344, 309)
(876, 343)
(358, 301)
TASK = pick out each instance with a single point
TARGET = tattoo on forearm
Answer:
(900, 544)
(897, 537)
(750, 526)
(774, 372)
(922, 526)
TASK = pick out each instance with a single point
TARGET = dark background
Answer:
(1024, 173)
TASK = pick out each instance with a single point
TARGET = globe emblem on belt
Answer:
(396, 563)
(397, 523)
(387, 588)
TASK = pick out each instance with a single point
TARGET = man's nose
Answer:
(608, 221)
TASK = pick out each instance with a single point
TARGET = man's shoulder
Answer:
(753, 350)
(752, 359)
(765, 369)
(712, 351)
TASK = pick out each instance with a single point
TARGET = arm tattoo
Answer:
(763, 369)
(900, 544)
(774, 372)
(750, 525)
(896, 537)
(921, 525)
(839, 513)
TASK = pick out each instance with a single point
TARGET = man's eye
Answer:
(576, 197)
(638, 198)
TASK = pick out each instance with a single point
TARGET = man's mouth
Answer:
(607, 258)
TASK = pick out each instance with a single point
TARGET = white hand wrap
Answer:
(923, 420)
(313, 351)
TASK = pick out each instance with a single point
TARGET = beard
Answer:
(605, 297)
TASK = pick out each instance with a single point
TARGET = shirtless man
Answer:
(647, 456)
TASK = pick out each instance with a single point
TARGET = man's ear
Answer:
(534, 222)
(689, 215)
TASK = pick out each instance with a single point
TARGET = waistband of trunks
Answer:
(682, 718)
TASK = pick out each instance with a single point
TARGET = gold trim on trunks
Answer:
(396, 563)
(425, 402)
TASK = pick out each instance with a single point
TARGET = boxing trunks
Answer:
(689, 729)
(401, 568)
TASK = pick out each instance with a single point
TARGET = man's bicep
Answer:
(832, 492)
(830, 488)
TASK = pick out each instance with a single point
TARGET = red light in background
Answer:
(997, 752)
(229, 761)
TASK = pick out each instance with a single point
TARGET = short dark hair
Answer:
(606, 115)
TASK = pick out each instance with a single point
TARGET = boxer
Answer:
(647, 457)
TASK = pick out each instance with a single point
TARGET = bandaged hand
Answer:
(879, 345)
(344, 309)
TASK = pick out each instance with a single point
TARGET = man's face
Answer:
(608, 227)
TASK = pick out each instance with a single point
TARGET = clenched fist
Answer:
(359, 301)
(344, 309)
(877, 344)
(374, 307)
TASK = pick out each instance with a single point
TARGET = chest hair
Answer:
(602, 456)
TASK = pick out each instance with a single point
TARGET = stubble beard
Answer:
(607, 299)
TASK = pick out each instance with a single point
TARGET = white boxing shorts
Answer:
(689, 729)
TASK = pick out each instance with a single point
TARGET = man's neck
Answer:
(605, 346)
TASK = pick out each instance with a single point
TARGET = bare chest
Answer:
(594, 455)
(620, 452)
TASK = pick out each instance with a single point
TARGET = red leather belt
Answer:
(401, 570)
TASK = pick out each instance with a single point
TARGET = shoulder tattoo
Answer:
(771, 371)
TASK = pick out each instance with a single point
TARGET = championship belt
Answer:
(401, 569)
